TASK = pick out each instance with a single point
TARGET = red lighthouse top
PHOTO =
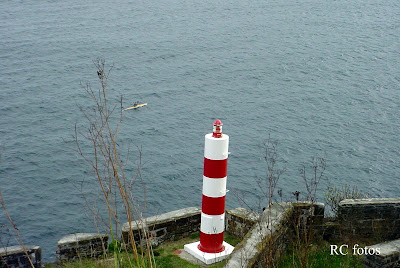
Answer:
(217, 129)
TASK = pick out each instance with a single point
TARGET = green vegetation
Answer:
(334, 195)
(319, 256)
(167, 259)
(163, 256)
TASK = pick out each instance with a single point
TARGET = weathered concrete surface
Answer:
(373, 201)
(372, 218)
(81, 245)
(238, 221)
(389, 256)
(190, 258)
(163, 227)
(15, 257)
(270, 226)
(208, 258)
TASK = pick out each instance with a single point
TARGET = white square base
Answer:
(208, 258)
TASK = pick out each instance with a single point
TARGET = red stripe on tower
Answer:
(213, 205)
(214, 190)
(215, 168)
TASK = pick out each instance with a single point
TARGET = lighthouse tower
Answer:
(211, 247)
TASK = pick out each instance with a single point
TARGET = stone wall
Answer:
(265, 234)
(239, 221)
(164, 227)
(81, 245)
(15, 257)
(278, 225)
(306, 217)
(363, 218)
(373, 218)
(389, 256)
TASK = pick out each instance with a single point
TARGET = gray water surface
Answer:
(321, 77)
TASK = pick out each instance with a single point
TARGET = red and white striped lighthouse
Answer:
(212, 247)
(214, 190)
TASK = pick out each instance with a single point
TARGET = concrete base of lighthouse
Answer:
(208, 258)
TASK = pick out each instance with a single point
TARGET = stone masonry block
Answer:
(238, 221)
(250, 252)
(377, 218)
(15, 257)
(81, 245)
(389, 256)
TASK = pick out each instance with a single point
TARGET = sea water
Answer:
(322, 78)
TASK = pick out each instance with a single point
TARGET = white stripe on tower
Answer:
(214, 190)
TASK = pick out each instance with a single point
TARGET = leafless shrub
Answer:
(304, 217)
(275, 166)
(317, 166)
(104, 123)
